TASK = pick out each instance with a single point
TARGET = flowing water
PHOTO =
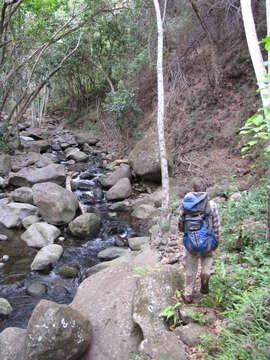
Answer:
(16, 277)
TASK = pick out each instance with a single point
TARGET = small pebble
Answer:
(1, 265)
(3, 237)
(5, 258)
(61, 239)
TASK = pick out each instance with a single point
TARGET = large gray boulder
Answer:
(56, 332)
(115, 334)
(48, 255)
(23, 194)
(56, 205)
(30, 176)
(40, 234)
(114, 325)
(5, 164)
(12, 344)
(23, 160)
(120, 191)
(123, 171)
(145, 159)
(86, 225)
(155, 291)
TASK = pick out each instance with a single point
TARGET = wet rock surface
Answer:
(40, 234)
(12, 344)
(56, 205)
(56, 332)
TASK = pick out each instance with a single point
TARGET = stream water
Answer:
(16, 277)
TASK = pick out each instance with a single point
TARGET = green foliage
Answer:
(170, 312)
(240, 286)
(120, 102)
(256, 129)
(195, 316)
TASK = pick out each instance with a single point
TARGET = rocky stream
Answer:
(58, 282)
(76, 225)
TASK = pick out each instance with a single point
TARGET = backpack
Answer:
(199, 236)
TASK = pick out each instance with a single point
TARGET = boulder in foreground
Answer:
(30, 176)
(85, 225)
(56, 332)
(56, 205)
(120, 191)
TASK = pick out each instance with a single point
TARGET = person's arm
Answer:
(181, 219)
(216, 222)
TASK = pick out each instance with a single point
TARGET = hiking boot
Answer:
(204, 284)
(187, 299)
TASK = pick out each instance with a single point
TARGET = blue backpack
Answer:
(199, 236)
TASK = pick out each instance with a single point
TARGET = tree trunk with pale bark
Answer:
(165, 212)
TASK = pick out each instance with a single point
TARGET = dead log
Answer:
(69, 177)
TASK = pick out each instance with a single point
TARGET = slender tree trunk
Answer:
(268, 219)
(268, 99)
(254, 49)
(165, 213)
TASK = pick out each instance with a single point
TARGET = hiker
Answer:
(199, 220)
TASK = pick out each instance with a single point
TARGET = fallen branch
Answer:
(68, 187)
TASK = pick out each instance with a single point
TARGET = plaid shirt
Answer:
(215, 219)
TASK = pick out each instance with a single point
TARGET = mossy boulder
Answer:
(86, 225)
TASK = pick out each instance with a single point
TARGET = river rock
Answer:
(77, 155)
(48, 255)
(30, 220)
(56, 332)
(115, 334)
(9, 217)
(22, 194)
(40, 234)
(154, 292)
(68, 271)
(30, 176)
(88, 137)
(56, 205)
(137, 243)
(5, 258)
(191, 334)
(12, 344)
(36, 145)
(120, 191)
(123, 171)
(5, 164)
(5, 307)
(85, 225)
(36, 289)
(3, 237)
(120, 206)
(112, 253)
(145, 212)
(24, 210)
(23, 160)
(145, 160)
